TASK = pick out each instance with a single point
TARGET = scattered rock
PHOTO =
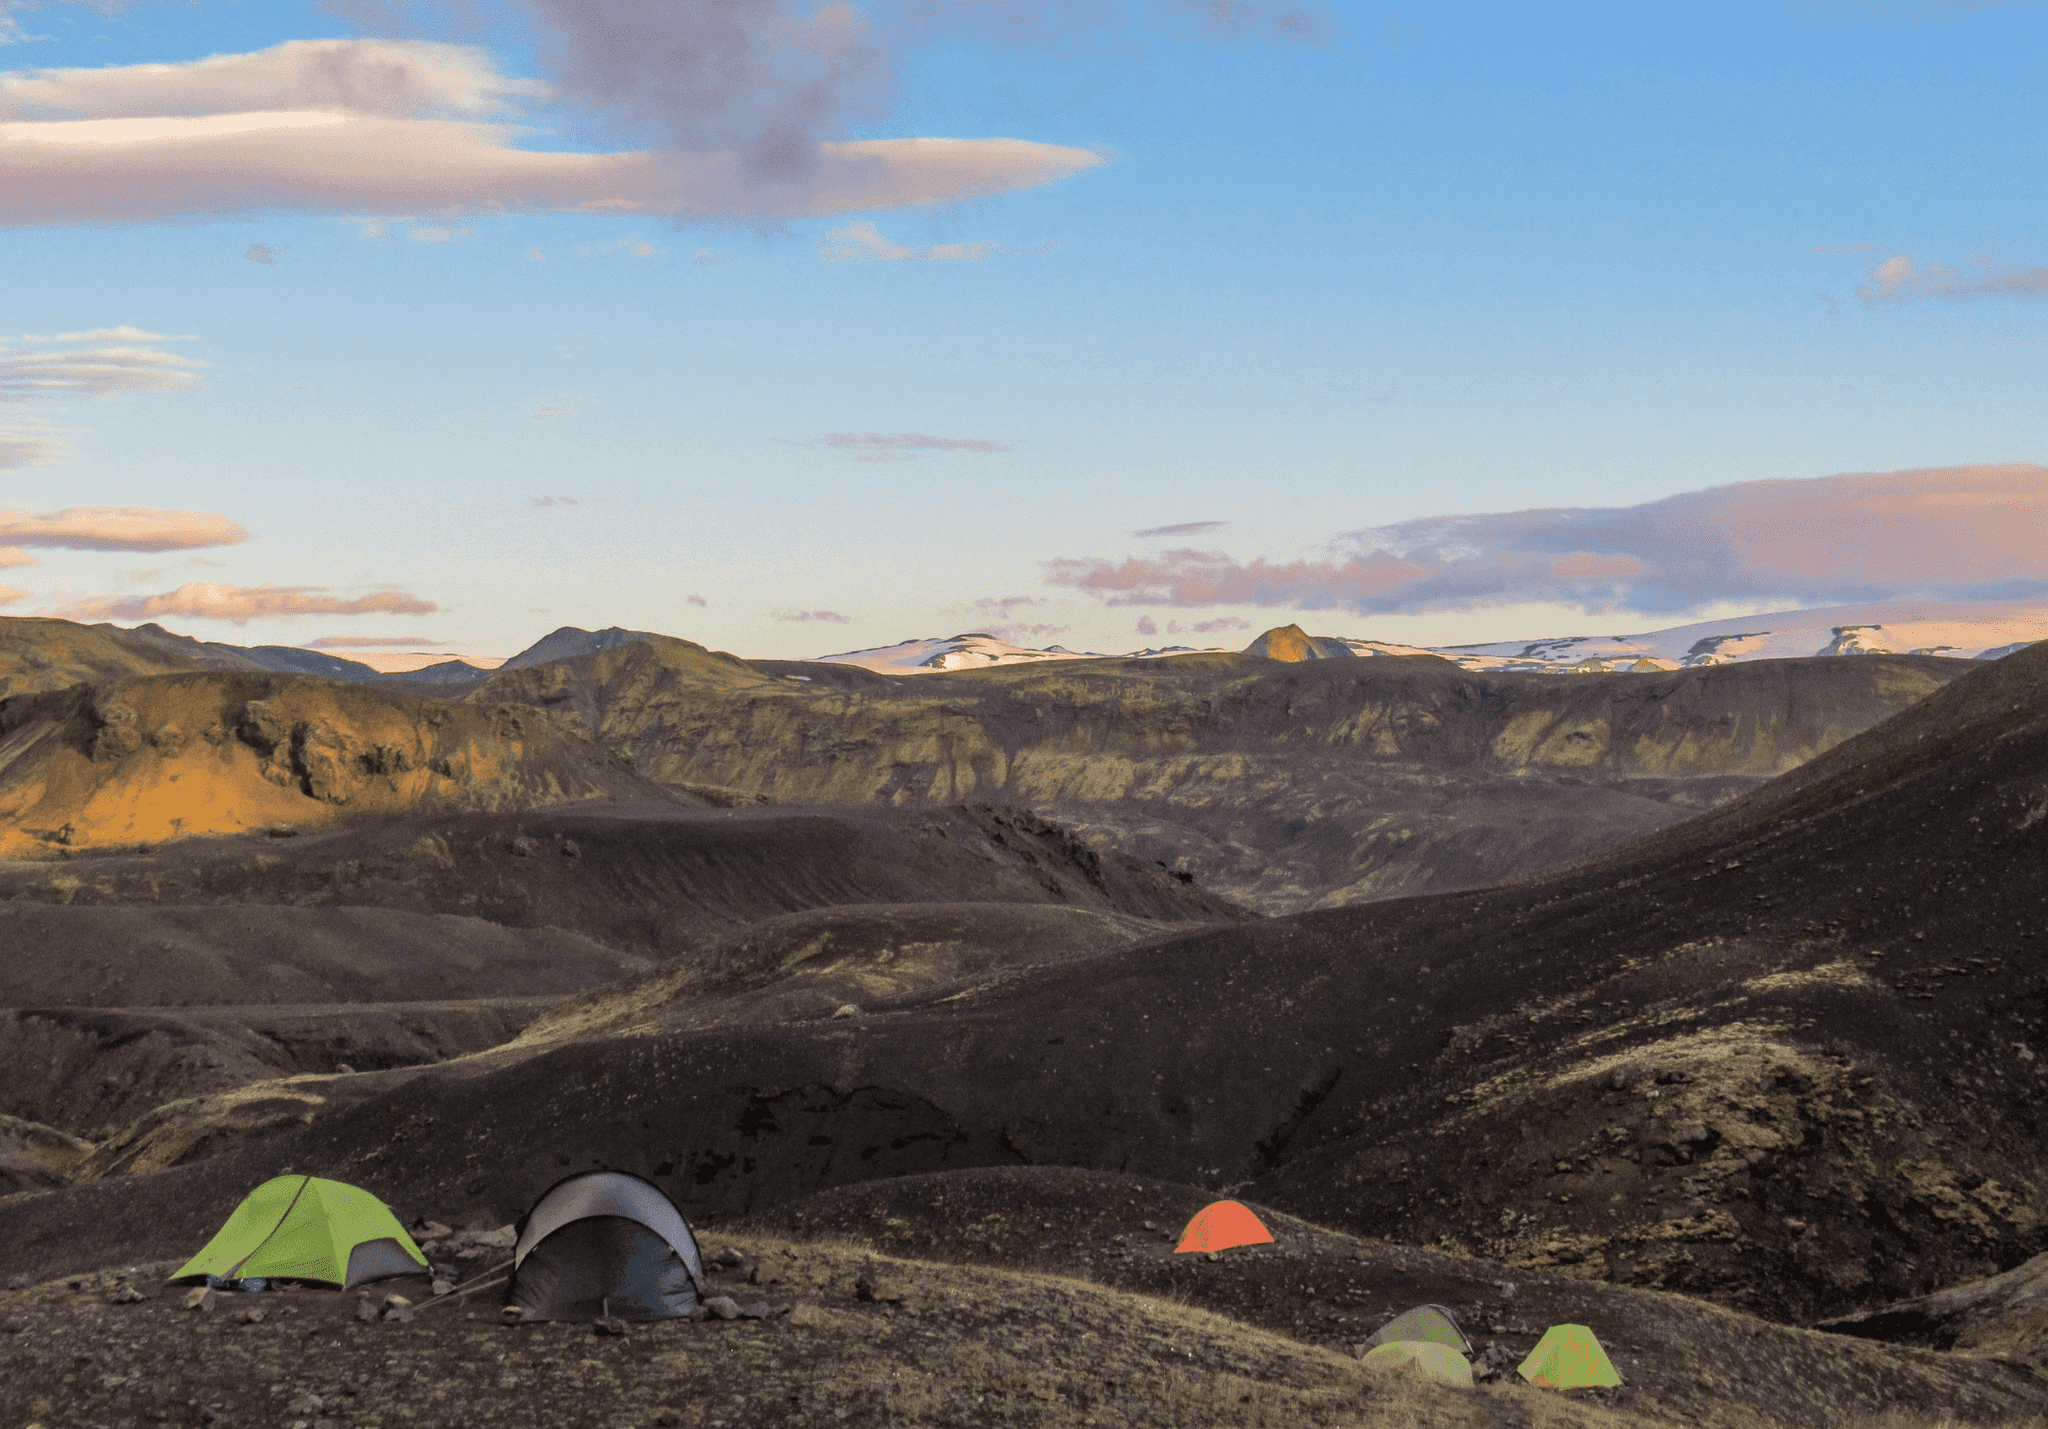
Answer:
(343, 1069)
(667, 1418)
(397, 1309)
(252, 1317)
(879, 1292)
(757, 1311)
(722, 1307)
(503, 1238)
(366, 1312)
(125, 1295)
(847, 1009)
(443, 1287)
(306, 1404)
(21, 1282)
(431, 1230)
(201, 1297)
(511, 1315)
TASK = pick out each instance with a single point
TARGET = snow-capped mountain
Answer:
(1971, 632)
(973, 652)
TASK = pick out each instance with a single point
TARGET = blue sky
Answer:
(1324, 276)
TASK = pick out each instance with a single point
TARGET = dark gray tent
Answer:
(603, 1242)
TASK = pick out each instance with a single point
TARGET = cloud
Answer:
(624, 245)
(1185, 528)
(369, 642)
(261, 253)
(698, 600)
(1899, 279)
(861, 242)
(830, 617)
(353, 127)
(9, 595)
(1018, 634)
(1222, 622)
(207, 600)
(553, 500)
(1147, 626)
(15, 556)
(396, 78)
(32, 374)
(898, 446)
(29, 446)
(1007, 605)
(119, 528)
(1970, 532)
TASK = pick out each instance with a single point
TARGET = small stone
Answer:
(365, 1311)
(125, 1295)
(722, 1307)
(667, 1418)
(252, 1317)
(502, 1238)
(13, 1325)
(511, 1315)
(343, 1069)
(200, 1297)
(880, 1292)
(846, 1009)
(430, 1230)
(757, 1311)
(811, 1315)
(1215, 1255)
(443, 1287)
(399, 1314)
(306, 1404)
(21, 1282)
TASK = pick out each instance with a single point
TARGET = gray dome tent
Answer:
(603, 1242)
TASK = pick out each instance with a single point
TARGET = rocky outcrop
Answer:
(165, 757)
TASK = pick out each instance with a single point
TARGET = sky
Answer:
(793, 328)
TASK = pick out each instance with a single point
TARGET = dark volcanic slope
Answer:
(1281, 785)
(639, 878)
(1679, 1065)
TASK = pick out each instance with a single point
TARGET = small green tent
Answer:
(1439, 1364)
(1568, 1357)
(1424, 1322)
(307, 1228)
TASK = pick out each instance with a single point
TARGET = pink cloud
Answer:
(369, 642)
(207, 600)
(1969, 532)
(119, 528)
(9, 595)
(1899, 279)
(1223, 622)
(698, 600)
(15, 556)
(1147, 626)
(830, 617)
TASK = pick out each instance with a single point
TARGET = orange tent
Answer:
(1220, 1226)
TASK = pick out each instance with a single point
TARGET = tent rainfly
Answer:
(1568, 1357)
(308, 1228)
(1221, 1225)
(1426, 1359)
(605, 1242)
(1424, 1322)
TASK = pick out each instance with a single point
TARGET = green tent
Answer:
(1568, 1357)
(1439, 1364)
(307, 1228)
(1424, 1322)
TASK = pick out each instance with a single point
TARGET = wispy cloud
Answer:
(829, 617)
(207, 600)
(697, 600)
(15, 556)
(119, 528)
(898, 446)
(8, 594)
(1899, 279)
(861, 242)
(352, 127)
(554, 500)
(370, 642)
(29, 444)
(1185, 528)
(1972, 532)
(261, 253)
(1222, 622)
(88, 365)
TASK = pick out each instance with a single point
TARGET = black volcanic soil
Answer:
(1781, 1057)
(1283, 786)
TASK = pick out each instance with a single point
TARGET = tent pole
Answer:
(455, 1295)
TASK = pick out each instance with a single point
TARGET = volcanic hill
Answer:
(1281, 785)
